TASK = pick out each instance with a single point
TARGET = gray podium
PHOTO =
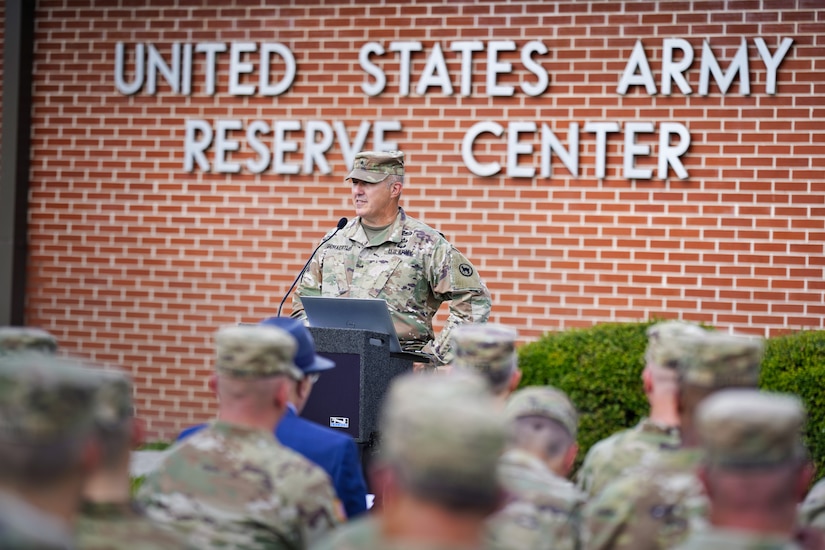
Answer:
(348, 397)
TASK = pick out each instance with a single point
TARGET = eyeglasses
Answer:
(313, 377)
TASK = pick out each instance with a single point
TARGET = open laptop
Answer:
(356, 313)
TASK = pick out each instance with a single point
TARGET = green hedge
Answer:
(600, 368)
(796, 364)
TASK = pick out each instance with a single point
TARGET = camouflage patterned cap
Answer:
(489, 348)
(717, 359)
(113, 401)
(44, 399)
(14, 339)
(745, 427)
(443, 430)
(664, 339)
(375, 166)
(256, 352)
(545, 401)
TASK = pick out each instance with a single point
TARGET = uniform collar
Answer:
(109, 509)
(394, 235)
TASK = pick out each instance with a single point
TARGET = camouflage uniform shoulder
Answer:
(364, 534)
(649, 507)
(623, 451)
(104, 526)
(360, 534)
(217, 483)
(592, 474)
(422, 229)
(526, 477)
(735, 540)
(543, 510)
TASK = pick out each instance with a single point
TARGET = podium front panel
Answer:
(352, 391)
(335, 400)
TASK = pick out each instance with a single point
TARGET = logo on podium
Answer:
(338, 422)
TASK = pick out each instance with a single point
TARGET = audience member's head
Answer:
(118, 433)
(255, 366)
(490, 349)
(543, 422)
(441, 440)
(48, 442)
(663, 354)
(755, 469)
(713, 361)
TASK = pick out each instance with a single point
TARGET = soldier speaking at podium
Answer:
(385, 254)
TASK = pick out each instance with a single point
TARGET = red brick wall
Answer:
(136, 261)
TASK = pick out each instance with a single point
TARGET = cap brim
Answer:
(366, 175)
(320, 364)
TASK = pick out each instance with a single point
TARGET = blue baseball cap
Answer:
(306, 359)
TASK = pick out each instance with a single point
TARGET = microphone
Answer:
(341, 223)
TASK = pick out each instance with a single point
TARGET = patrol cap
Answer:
(255, 352)
(306, 359)
(717, 359)
(665, 342)
(744, 427)
(489, 348)
(544, 401)
(443, 433)
(375, 166)
(14, 339)
(45, 399)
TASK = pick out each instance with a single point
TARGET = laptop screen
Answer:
(352, 313)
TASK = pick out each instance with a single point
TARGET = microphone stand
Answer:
(341, 224)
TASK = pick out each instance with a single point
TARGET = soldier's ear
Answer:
(806, 476)
(515, 379)
(647, 380)
(138, 433)
(91, 455)
(570, 458)
(280, 392)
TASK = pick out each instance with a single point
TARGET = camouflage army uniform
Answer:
(640, 445)
(611, 458)
(365, 534)
(118, 524)
(748, 431)
(122, 525)
(230, 486)
(812, 509)
(543, 511)
(650, 507)
(413, 267)
(710, 538)
(655, 507)
(17, 339)
(490, 350)
(443, 441)
(45, 403)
